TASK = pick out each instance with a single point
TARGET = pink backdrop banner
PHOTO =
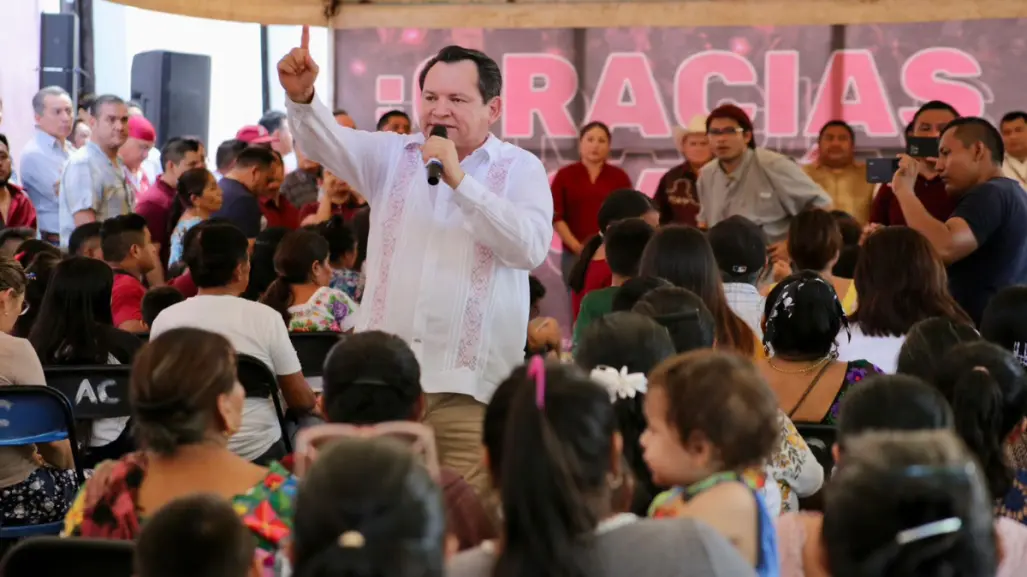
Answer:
(643, 82)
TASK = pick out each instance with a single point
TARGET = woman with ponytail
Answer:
(987, 388)
(558, 466)
(591, 271)
(198, 197)
(367, 508)
(301, 292)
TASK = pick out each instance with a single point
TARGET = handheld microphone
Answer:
(434, 164)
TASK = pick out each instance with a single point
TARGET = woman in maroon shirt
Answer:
(579, 190)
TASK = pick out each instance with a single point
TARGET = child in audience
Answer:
(618, 351)
(374, 377)
(367, 507)
(197, 198)
(342, 249)
(85, 240)
(158, 299)
(624, 241)
(928, 342)
(713, 423)
(196, 536)
(301, 293)
(554, 452)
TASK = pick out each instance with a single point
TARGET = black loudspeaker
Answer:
(59, 52)
(174, 90)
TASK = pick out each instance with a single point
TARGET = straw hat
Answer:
(695, 126)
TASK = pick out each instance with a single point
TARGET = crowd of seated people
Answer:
(770, 394)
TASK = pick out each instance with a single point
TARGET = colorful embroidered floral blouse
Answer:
(855, 372)
(328, 310)
(107, 507)
(794, 467)
(348, 281)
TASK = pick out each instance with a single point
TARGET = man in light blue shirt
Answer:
(94, 186)
(44, 156)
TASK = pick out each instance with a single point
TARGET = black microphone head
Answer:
(440, 131)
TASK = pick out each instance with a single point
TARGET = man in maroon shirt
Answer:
(128, 248)
(929, 121)
(337, 197)
(16, 210)
(277, 209)
(154, 205)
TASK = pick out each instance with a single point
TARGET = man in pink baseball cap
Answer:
(255, 135)
(141, 136)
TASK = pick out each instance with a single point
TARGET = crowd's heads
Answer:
(198, 189)
(184, 391)
(274, 121)
(76, 304)
(372, 377)
(5, 161)
(730, 131)
(342, 242)
(218, 256)
(1014, 133)
(620, 205)
(928, 342)
(156, 300)
(932, 118)
(367, 507)
(256, 168)
(740, 248)
(594, 140)
(125, 241)
(814, 240)
(633, 289)
(13, 283)
(691, 325)
(141, 136)
(802, 317)
(1005, 321)
(987, 389)
(693, 143)
(891, 403)
(12, 238)
(900, 280)
(559, 453)
(262, 262)
(837, 144)
(970, 152)
(198, 535)
(178, 156)
(708, 412)
(910, 504)
(109, 122)
(255, 135)
(53, 111)
(227, 152)
(625, 240)
(460, 89)
(80, 133)
(852, 232)
(301, 258)
(39, 259)
(394, 121)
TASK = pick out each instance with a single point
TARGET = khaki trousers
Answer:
(457, 421)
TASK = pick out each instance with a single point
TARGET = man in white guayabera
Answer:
(447, 265)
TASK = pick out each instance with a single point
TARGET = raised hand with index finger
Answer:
(297, 71)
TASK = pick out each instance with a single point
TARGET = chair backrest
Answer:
(312, 350)
(95, 391)
(34, 414)
(256, 378)
(79, 557)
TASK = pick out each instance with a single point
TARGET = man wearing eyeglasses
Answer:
(765, 187)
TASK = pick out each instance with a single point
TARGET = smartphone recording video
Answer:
(881, 170)
(922, 147)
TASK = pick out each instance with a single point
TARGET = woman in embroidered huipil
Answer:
(186, 403)
(302, 291)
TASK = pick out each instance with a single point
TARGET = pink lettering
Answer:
(626, 96)
(648, 179)
(523, 99)
(852, 90)
(781, 69)
(926, 76)
(693, 76)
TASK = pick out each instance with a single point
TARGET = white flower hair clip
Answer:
(620, 384)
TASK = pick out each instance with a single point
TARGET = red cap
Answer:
(254, 134)
(141, 129)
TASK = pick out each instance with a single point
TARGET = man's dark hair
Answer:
(157, 299)
(118, 234)
(625, 241)
(536, 290)
(340, 112)
(19, 233)
(934, 105)
(3, 139)
(228, 152)
(103, 100)
(634, 289)
(175, 149)
(1013, 117)
(385, 118)
(200, 536)
(82, 234)
(133, 104)
(272, 120)
(256, 156)
(85, 101)
(842, 124)
(490, 78)
(214, 253)
(972, 129)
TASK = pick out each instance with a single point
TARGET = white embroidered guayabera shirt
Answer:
(447, 270)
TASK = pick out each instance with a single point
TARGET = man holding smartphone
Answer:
(984, 240)
(928, 122)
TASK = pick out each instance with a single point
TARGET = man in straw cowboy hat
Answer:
(676, 196)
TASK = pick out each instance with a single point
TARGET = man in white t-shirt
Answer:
(218, 261)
